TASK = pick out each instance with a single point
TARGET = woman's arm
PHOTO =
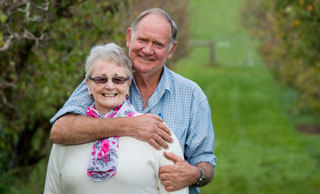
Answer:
(53, 184)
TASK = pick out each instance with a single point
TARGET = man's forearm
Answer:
(208, 171)
(77, 129)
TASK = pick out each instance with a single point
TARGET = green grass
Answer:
(258, 148)
(221, 21)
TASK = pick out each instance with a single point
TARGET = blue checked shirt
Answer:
(183, 106)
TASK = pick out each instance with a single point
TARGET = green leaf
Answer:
(3, 17)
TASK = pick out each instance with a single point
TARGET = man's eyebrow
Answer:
(158, 42)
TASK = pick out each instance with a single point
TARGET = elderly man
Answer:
(151, 40)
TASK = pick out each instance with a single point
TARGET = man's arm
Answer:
(71, 128)
(182, 174)
(77, 129)
(199, 149)
(208, 171)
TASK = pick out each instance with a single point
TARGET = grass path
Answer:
(258, 149)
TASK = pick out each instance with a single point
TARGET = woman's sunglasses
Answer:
(103, 80)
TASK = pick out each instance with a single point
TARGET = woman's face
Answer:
(108, 95)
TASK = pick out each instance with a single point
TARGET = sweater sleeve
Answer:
(76, 104)
(53, 184)
(175, 148)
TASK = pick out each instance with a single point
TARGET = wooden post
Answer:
(209, 44)
(212, 52)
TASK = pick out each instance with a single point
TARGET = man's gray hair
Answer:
(174, 28)
(109, 52)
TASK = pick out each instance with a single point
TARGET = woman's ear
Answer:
(89, 87)
(129, 83)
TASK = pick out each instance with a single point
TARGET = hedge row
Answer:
(289, 32)
(43, 45)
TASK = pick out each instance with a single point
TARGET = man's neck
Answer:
(147, 83)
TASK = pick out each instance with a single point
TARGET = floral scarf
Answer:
(104, 155)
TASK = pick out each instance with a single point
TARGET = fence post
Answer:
(212, 52)
(206, 43)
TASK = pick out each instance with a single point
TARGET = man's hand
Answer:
(76, 129)
(179, 175)
(150, 128)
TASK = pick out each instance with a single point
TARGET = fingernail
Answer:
(160, 115)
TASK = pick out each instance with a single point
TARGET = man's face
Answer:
(149, 46)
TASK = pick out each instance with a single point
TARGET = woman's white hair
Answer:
(108, 52)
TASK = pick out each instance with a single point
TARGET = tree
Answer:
(289, 32)
(43, 45)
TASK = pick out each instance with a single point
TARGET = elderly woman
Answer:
(112, 165)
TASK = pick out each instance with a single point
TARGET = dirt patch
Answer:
(313, 129)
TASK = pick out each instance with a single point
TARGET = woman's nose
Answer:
(109, 84)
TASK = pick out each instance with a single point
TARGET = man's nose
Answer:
(147, 49)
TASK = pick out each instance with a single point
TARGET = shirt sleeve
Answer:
(76, 104)
(200, 141)
(175, 148)
(53, 184)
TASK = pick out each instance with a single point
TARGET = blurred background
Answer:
(257, 61)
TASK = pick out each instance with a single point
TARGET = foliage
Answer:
(43, 45)
(257, 146)
(289, 32)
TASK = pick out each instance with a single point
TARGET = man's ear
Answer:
(173, 48)
(128, 37)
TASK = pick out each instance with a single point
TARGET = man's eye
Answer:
(159, 44)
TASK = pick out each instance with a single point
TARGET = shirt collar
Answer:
(162, 87)
(164, 83)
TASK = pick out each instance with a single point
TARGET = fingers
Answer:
(165, 132)
(154, 144)
(173, 157)
(168, 186)
(165, 169)
(160, 141)
(152, 130)
(169, 182)
(155, 117)
(161, 134)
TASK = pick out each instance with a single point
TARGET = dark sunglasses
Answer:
(103, 80)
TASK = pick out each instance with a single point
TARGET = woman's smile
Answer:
(109, 95)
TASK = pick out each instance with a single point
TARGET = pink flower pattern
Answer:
(103, 160)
